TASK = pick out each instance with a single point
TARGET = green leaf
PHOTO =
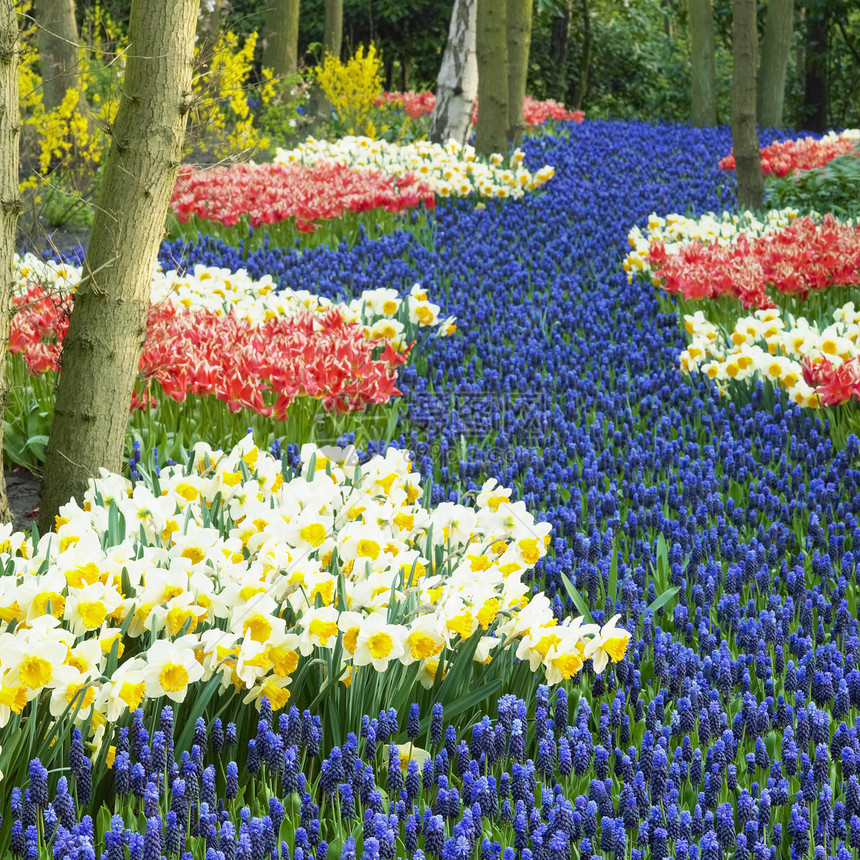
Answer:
(660, 601)
(576, 597)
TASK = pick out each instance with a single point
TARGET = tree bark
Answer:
(59, 47)
(816, 96)
(744, 134)
(457, 85)
(703, 103)
(10, 201)
(333, 33)
(318, 106)
(491, 135)
(775, 48)
(580, 87)
(559, 41)
(519, 36)
(108, 323)
(281, 37)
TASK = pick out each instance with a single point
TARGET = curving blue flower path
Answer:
(732, 724)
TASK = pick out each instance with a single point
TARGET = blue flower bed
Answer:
(731, 727)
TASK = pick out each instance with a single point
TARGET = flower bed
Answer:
(728, 729)
(288, 201)
(535, 112)
(450, 171)
(214, 333)
(786, 157)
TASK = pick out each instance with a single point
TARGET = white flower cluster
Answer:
(450, 170)
(383, 311)
(768, 345)
(233, 568)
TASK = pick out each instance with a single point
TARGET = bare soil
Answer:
(24, 490)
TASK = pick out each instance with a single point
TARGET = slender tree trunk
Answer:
(775, 48)
(703, 104)
(491, 135)
(10, 201)
(108, 324)
(816, 96)
(281, 37)
(559, 40)
(319, 107)
(519, 37)
(744, 134)
(59, 50)
(457, 85)
(333, 33)
(580, 88)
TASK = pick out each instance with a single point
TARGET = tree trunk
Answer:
(491, 135)
(59, 48)
(580, 88)
(108, 324)
(775, 48)
(519, 36)
(559, 40)
(318, 106)
(457, 86)
(10, 201)
(744, 134)
(333, 33)
(816, 96)
(281, 37)
(704, 92)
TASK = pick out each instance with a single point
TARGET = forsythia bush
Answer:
(352, 88)
(223, 98)
(66, 135)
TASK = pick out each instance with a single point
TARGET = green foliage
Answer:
(833, 188)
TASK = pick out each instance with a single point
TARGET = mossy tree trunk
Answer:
(775, 49)
(519, 37)
(10, 201)
(703, 102)
(59, 50)
(457, 85)
(744, 134)
(491, 136)
(281, 37)
(108, 323)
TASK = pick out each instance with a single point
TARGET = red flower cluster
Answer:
(790, 156)
(261, 367)
(535, 112)
(269, 193)
(833, 385)
(415, 104)
(797, 259)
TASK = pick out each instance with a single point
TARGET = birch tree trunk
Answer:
(491, 135)
(108, 324)
(281, 37)
(744, 134)
(457, 85)
(10, 201)
(703, 104)
(519, 37)
(59, 48)
(775, 48)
